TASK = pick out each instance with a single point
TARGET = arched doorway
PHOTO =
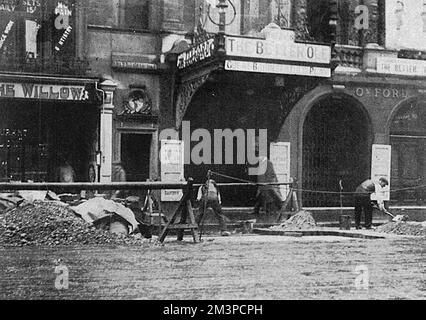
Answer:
(336, 146)
(408, 141)
(235, 102)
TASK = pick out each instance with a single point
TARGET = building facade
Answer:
(339, 86)
(337, 119)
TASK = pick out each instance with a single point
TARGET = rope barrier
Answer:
(302, 190)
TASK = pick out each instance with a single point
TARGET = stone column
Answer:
(105, 140)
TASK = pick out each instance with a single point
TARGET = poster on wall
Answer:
(405, 24)
(280, 157)
(172, 164)
(381, 167)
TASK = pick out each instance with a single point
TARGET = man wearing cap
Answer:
(363, 200)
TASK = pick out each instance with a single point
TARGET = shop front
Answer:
(45, 121)
(338, 129)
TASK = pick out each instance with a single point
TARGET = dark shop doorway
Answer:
(136, 155)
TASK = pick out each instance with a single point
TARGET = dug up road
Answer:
(236, 267)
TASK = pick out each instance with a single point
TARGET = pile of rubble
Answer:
(54, 223)
(303, 220)
(403, 228)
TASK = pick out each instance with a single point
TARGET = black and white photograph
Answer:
(212, 156)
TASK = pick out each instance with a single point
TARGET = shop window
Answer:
(134, 14)
(318, 20)
(319, 16)
(408, 140)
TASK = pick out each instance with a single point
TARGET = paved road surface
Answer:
(236, 267)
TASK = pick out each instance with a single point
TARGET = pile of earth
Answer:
(403, 228)
(53, 224)
(302, 220)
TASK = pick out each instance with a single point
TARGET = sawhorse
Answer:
(185, 210)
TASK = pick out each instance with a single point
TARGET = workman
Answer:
(268, 196)
(209, 197)
(364, 203)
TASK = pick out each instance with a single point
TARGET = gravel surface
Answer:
(53, 224)
(301, 220)
(403, 228)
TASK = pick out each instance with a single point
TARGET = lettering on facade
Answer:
(62, 22)
(9, 6)
(278, 50)
(41, 91)
(388, 93)
(196, 54)
(133, 65)
(6, 33)
(407, 67)
(31, 5)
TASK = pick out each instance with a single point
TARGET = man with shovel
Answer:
(363, 201)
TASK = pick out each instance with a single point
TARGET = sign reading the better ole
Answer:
(277, 50)
(405, 67)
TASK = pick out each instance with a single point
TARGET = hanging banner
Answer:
(279, 155)
(63, 25)
(381, 167)
(172, 167)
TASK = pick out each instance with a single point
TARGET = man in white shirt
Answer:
(209, 197)
(363, 200)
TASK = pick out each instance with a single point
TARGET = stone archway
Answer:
(336, 147)
(407, 135)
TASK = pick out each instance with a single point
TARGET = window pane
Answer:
(136, 13)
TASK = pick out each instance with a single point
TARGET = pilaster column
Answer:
(105, 140)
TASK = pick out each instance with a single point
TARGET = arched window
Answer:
(408, 140)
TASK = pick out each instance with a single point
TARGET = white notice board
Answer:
(172, 161)
(381, 166)
(279, 155)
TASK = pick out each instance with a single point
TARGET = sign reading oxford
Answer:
(43, 91)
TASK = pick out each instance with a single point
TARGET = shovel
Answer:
(395, 218)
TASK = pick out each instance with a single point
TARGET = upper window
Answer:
(246, 17)
(134, 14)
(35, 31)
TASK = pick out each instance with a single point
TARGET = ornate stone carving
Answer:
(291, 95)
(185, 93)
(300, 20)
(137, 102)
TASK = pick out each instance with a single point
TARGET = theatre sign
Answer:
(277, 56)
(278, 53)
